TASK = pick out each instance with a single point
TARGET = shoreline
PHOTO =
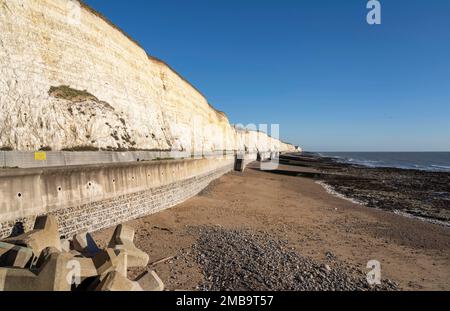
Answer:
(341, 159)
(330, 190)
(424, 195)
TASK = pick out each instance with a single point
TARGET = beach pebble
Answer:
(235, 260)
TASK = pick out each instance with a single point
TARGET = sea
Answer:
(427, 161)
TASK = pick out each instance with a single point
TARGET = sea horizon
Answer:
(435, 161)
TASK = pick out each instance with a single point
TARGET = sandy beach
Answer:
(312, 223)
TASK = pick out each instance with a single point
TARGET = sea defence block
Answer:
(87, 267)
(51, 277)
(110, 260)
(115, 281)
(56, 270)
(65, 245)
(150, 281)
(5, 247)
(122, 240)
(85, 244)
(14, 255)
(45, 234)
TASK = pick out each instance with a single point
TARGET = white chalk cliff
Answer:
(69, 78)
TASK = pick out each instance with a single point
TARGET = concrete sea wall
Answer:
(98, 196)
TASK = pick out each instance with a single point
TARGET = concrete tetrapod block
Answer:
(14, 255)
(53, 276)
(115, 281)
(111, 260)
(44, 234)
(122, 234)
(85, 266)
(43, 257)
(122, 239)
(150, 282)
(15, 279)
(5, 247)
(85, 244)
(65, 245)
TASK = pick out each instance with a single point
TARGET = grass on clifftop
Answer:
(81, 148)
(68, 93)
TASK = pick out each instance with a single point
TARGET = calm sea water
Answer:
(430, 161)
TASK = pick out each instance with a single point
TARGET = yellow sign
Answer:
(40, 156)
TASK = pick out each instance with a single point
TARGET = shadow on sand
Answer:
(293, 173)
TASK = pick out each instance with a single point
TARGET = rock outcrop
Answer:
(70, 79)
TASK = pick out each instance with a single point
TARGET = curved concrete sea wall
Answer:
(70, 80)
(98, 196)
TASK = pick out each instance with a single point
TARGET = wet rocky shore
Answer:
(415, 193)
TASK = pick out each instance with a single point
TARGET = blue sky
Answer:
(332, 82)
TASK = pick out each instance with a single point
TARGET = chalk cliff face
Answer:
(68, 78)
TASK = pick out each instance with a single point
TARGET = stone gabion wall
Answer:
(98, 215)
(7, 227)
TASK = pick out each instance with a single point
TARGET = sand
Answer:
(413, 253)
